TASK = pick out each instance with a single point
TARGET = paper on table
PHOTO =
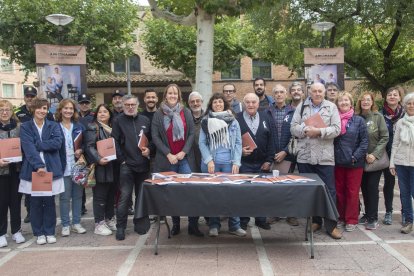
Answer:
(42, 185)
(10, 150)
(247, 140)
(106, 148)
(316, 121)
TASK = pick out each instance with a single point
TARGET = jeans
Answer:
(389, 183)
(103, 201)
(74, 192)
(129, 179)
(406, 182)
(43, 215)
(10, 199)
(214, 222)
(370, 192)
(183, 167)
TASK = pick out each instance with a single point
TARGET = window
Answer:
(8, 90)
(134, 65)
(262, 69)
(6, 66)
(233, 73)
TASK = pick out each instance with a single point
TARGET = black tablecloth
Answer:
(231, 200)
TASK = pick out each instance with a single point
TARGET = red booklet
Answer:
(143, 141)
(42, 183)
(316, 121)
(247, 140)
(106, 148)
(78, 141)
(10, 150)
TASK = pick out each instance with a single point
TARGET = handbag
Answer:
(378, 164)
(91, 176)
(82, 174)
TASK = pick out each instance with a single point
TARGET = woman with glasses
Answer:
(10, 198)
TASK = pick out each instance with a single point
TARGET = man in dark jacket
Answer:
(259, 85)
(127, 130)
(85, 110)
(260, 159)
(117, 107)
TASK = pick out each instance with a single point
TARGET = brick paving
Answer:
(281, 250)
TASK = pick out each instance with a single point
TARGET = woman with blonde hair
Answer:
(10, 198)
(377, 141)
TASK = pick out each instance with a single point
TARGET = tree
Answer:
(104, 27)
(377, 36)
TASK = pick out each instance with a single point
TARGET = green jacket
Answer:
(377, 133)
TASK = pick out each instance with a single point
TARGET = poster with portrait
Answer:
(322, 73)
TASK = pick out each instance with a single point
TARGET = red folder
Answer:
(106, 148)
(78, 141)
(42, 183)
(316, 121)
(143, 141)
(247, 140)
(10, 149)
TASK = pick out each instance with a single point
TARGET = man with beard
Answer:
(195, 102)
(150, 100)
(259, 85)
(296, 93)
(229, 92)
(117, 102)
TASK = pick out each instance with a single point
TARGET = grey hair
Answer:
(128, 97)
(408, 98)
(278, 84)
(193, 94)
(251, 94)
(295, 83)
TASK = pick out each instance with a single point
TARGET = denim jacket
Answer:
(208, 153)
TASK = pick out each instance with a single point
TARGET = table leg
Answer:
(309, 227)
(158, 234)
(168, 227)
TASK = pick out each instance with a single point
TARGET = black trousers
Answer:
(327, 174)
(103, 201)
(370, 193)
(389, 183)
(10, 199)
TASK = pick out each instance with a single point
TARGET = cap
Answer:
(83, 98)
(31, 91)
(118, 93)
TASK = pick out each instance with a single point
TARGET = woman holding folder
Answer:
(67, 116)
(9, 177)
(41, 175)
(104, 191)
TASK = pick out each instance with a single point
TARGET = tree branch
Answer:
(376, 39)
(189, 20)
(372, 79)
(396, 34)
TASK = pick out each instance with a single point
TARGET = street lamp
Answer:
(59, 20)
(322, 27)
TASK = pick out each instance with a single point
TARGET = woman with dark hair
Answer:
(67, 116)
(43, 151)
(10, 198)
(172, 132)
(377, 141)
(221, 149)
(104, 191)
(392, 111)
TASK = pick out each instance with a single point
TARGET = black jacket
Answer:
(126, 131)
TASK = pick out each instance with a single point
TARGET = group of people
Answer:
(186, 140)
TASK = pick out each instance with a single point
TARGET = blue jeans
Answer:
(74, 192)
(43, 215)
(214, 222)
(406, 182)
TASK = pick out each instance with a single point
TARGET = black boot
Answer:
(193, 230)
(120, 234)
(175, 229)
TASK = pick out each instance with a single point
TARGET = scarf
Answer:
(106, 128)
(215, 125)
(172, 116)
(392, 115)
(11, 125)
(344, 119)
(407, 129)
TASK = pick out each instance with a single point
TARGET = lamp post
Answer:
(59, 20)
(323, 27)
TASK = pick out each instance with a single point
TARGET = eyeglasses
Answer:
(130, 105)
(5, 110)
(228, 91)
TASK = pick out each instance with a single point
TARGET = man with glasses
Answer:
(296, 93)
(229, 92)
(134, 161)
(332, 90)
(195, 102)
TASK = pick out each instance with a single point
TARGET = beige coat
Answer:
(316, 151)
(401, 153)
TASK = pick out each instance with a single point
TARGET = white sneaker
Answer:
(3, 241)
(51, 239)
(111, 224)
(41, 240)
(18, 237)
(77, 228)
(239, 232)
(213, 232)
(65, 231)
(102, 229)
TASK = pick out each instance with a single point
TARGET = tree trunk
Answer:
(205, 43)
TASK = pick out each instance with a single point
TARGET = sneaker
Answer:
(18, 237)
(371, 225)
(213, 232)
(102, 229)
(387, 218)
(41, 240)
(3, 241)
(292, 221)
(340, 224)
(51, 239)
(407, 229)
(363, 220)
(77, 228)
(111, 224)
(350, 227)
(239, 232)
(65, 231)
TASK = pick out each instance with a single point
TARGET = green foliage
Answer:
(104, 27)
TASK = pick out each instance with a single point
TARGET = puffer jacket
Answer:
(320, 150)
(401, 153)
